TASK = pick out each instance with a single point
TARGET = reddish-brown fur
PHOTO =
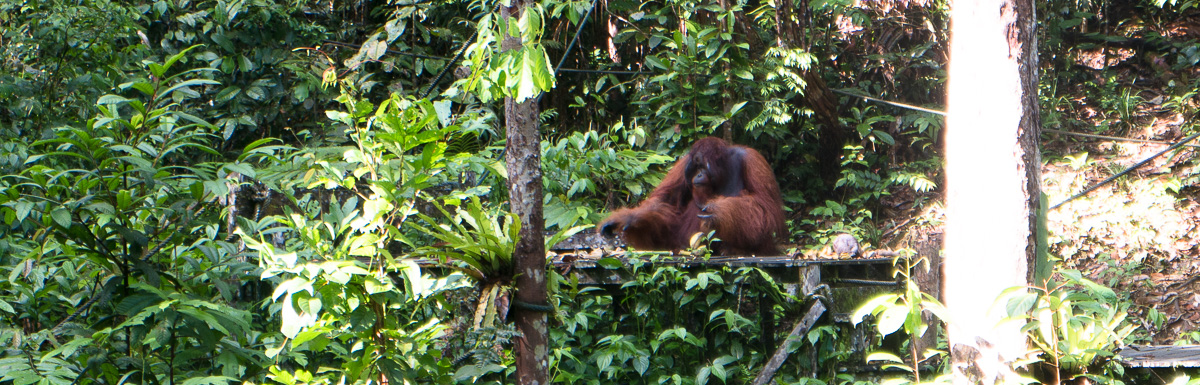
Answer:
(716, 186)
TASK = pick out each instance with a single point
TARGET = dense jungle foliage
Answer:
(239, 191)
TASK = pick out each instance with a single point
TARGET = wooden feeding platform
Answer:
(613, 268)
(1160, 356)
(597, 261)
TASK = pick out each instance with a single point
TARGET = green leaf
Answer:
(144, 87)
(156, 69)
(1021, 303)
(702, 376)
(61, 216)
(395, 28)
(203, 316)
(240, 168)
(526, 86)
(300, 92)
(227, 94)
(293, 321)
(443, 110)
(273, 352)
(653, 61)
(884, 356)
(22, 209)
(196, 120)
(183, 94)
(610, 263)
(68, 349)
(374, 49)
(603, 361)
(718, 368)
(256, 93)
(884, 137)
(543, 72)
(641, 363)
(891, 319)
(211, 380)
(374, 286)
(872, 306)
(189, 83)
(112, 99)
(245, 65)
(174, 58)
(467, 373)
(222, 39)
(137, 161)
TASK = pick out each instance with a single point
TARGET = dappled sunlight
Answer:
(1134, 231)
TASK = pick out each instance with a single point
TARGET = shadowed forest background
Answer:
(240, 191)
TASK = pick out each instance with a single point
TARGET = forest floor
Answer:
(1138, 233)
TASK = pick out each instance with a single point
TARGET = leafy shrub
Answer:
(665, 325)
(118, 265)
(586, 171)
(1077, 325)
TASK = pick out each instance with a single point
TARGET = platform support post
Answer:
(810, 280)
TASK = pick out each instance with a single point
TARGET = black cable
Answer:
(1080, 134)
(1126, 171)
(582, 22)
(1086, 190)
(466, 44)
(863, 282)
(1094, 136)
(518, 304)
(901, 105)
(567, 52)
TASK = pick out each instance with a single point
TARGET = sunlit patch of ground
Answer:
(1136, 234)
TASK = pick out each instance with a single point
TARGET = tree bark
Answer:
(927, 242)
(789, 33)
(523, 158)
(993, 181)
(786, 34)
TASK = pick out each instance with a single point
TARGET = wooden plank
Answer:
(1160, 356)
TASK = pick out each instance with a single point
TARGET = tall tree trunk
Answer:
(524, 161)
(726, 88)
(791, 18)
(786, 34)
(993, 180)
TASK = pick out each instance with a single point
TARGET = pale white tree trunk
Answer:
(992, 181)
